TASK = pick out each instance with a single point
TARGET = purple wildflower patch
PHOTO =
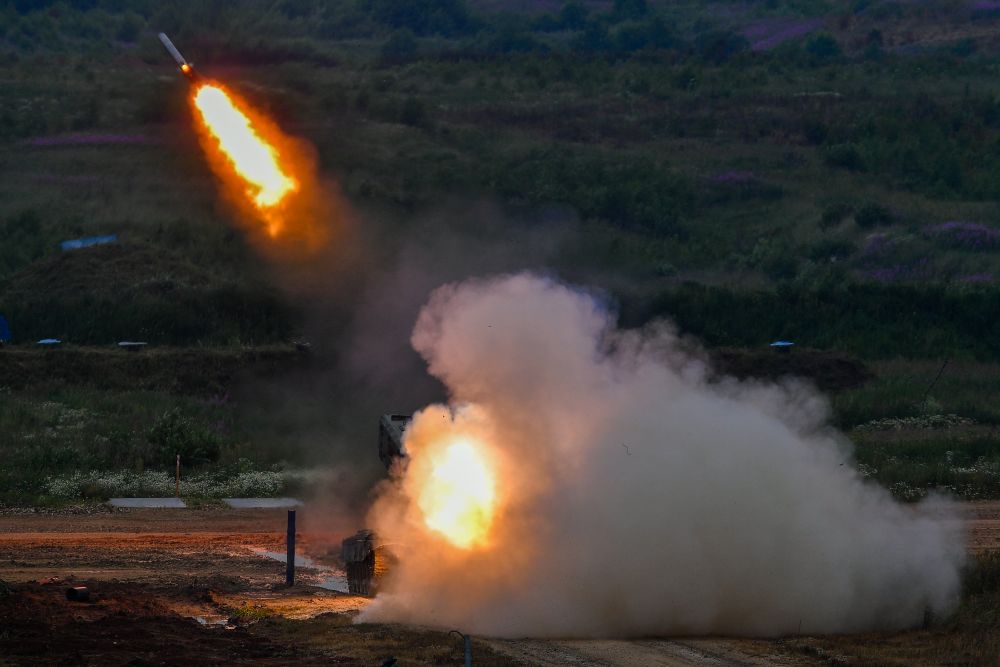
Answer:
(965, 235)
(918, 270)
(976, 278)
(877, 246)
(985, 6)
(732, 178)
(767, 34)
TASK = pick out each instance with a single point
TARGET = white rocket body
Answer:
(185, 67)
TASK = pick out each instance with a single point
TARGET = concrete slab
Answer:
(253, 503)
(174, 503)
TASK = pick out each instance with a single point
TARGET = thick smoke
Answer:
(636, 497)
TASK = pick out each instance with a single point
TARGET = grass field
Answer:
(753, 172)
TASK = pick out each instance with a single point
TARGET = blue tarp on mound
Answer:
(89, 241)
(4, 330)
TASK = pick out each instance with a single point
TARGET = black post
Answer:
(290, 555)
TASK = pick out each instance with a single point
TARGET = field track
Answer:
(136, 558)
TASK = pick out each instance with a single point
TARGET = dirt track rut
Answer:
(699, 652)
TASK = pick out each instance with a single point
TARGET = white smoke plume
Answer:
(637, 497)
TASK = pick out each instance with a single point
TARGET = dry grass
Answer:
(970, 637)
(337, 636)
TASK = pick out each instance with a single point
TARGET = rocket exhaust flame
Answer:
(267, 174)
(254, 160)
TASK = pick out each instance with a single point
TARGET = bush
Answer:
(635, 36)
(963, 48)
(400, 46)
(637, 194)
(823, 47)
(718, 46)
(872, 215)
(128, 29)
(510, 38)
(629, 9)
(23, 241)
(573, 15)
(832, 249)
(424, 17)
(412, 112)
(834, 214)
(781, 267)
(173, 434)
(845, 156)
(594, 38)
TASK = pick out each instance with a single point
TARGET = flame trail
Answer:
(263, 173)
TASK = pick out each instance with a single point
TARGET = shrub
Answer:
(592, 39)
(823, 47)
(963, 48)
(424, 17)
(400, 46)
(23, 241)
(740, 186)
(173, 434)
(781, 267)
(718, 46)
(872, 215)
(665, 270)
(412, 112)
(832, 248)
(845, 156)
(834, 214)
(128, 29)
(573, 15)
(637, 194)
(510, 38)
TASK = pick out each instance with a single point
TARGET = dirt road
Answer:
(697, 652)
(189, 574)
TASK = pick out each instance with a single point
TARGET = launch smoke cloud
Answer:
(634, 496)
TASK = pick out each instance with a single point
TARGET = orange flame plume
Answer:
(447, 491)
(252, 157)
(269, 175)
(457, 497)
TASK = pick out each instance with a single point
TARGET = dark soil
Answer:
(127, 624)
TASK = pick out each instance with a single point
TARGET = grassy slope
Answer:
(640, 147)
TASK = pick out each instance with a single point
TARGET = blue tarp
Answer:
(4, 330)
(89, 241)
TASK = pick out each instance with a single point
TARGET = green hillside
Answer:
(825, 172)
